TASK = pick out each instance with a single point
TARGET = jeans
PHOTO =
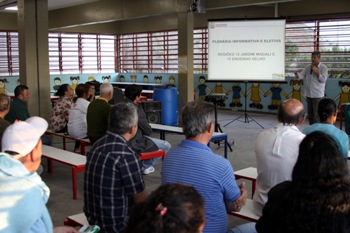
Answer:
(244, 228)
(312, 105)
(46, 140)
(162, 145)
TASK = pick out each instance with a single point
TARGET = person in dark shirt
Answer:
(318, 196)
(19, 108)
(142, 142)
(97, 113)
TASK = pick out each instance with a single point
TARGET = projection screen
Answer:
(247, 50)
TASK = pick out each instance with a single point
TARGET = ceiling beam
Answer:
(222, 4)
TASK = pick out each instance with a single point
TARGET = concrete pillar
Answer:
(33, 54)
(185, 47)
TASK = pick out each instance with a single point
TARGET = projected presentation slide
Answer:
(249, 50)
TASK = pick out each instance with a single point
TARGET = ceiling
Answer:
(208, 4)
(52, 4)
(58, 4)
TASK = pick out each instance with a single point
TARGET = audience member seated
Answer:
(113, 181)
(60, 111)
(18, 108)
(327, 112)
(4, 109)
(23, 195)
(97, 113)
(193, 163)
(318, 196)
(142, 142)
(92, 91)
(172, 208)
(77, 126)
(276, 150)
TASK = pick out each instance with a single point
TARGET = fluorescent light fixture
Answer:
(11, 8)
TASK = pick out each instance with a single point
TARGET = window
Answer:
(330, 37)
(81, 53)
(157, 52)
(200, 51)
(9, 57)
(153, 52)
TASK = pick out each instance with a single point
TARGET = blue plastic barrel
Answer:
(168, 97)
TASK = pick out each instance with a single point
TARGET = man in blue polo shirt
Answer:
(193, 163)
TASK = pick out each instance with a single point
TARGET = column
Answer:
(33, 54)
(185, 47)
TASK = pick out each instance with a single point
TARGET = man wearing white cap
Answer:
(23, 195)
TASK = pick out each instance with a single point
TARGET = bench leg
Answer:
(49, 165)
(75, 170)
(82, 148)
(74, 182)
(253, 187)
(64, 143)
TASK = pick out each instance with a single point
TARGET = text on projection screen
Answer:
(246, 50)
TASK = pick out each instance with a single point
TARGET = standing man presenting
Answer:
(315, 77)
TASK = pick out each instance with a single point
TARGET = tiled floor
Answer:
(240, 131)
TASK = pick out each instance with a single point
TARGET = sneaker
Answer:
(76, 150)
(148, 170)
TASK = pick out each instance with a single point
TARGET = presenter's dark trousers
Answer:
(312, 105)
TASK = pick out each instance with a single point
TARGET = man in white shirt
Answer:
(277, 150)
(315, 77)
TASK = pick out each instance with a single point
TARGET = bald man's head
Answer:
(291, 111)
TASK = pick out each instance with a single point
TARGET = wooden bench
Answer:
(249, 173)
(178, 130)
(77, 220)
(83, 141)
(247, 212)
(76, 161)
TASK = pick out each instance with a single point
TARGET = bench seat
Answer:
(77, 220)
(76, 161)
(247, 212)
(249, 173)
(83, 141)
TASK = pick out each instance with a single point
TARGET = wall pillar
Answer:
(185, 51)
(33, 54)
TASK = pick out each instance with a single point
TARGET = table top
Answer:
(249, 172)
(248, 210)
(176, 129)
